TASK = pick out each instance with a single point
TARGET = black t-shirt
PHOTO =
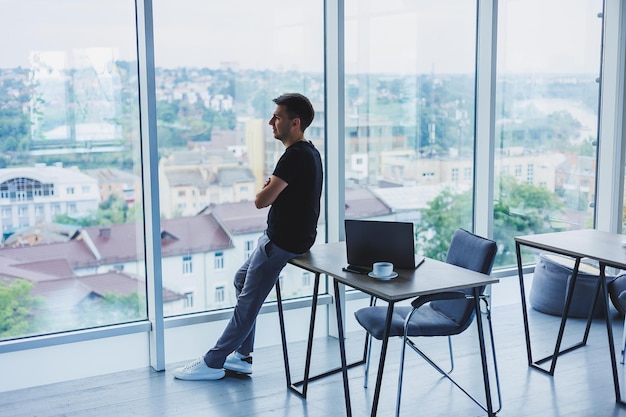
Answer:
(292, 220)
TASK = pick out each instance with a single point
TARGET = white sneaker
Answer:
(198, 371)
(239, 363)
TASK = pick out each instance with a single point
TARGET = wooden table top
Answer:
(605, 247)
(430, 277)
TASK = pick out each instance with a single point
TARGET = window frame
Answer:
(609, 189)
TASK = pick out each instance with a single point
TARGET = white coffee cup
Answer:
(382, 269)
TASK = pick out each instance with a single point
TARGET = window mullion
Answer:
(149, 166)
(610, 174)
(484, 135)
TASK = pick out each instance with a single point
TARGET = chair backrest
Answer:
(473, 252)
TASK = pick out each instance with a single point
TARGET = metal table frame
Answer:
(604, 247)
(329, 259)
(304, 383)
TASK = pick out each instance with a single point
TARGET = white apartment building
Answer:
(524, 166)
(30, 195)
(192, 180)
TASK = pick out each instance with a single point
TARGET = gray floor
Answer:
(581, 386)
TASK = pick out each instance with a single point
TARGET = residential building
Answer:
(30, 195)
(191, 180)
(114, 182)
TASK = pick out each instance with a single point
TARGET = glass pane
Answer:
(546, 118)
(70, 188)
(410, 115)
(215, 83)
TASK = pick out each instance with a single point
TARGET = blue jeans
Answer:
(253, 282)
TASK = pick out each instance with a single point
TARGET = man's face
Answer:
(281, 125)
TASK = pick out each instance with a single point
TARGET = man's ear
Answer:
(295, 122)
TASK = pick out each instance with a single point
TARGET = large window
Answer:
(218, 67)
(68, 127)
(546, 118)
(409, 117)
(72, 179)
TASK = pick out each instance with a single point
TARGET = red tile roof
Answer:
(53, 267)
(196, 234)
(120, 243)
(65, 293)
(75, 252)
(10, 268)
(240, 218)
(121, 283)
(361, 203)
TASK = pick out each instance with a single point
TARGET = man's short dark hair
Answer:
(298, 106)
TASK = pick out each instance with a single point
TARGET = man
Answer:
(293, 192)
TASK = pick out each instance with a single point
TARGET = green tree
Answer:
(112, 308)
(17, 308)
(167, 111)
(14, 130)
(113, 210)
(587, 147)
(125, 307)
(521, 209)
(445, 213)
(83, 221)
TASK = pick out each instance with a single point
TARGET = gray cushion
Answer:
(617, 292)
(425, 322)
(549, 287)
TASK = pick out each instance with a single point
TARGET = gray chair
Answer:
(442, 314)
(617, 293)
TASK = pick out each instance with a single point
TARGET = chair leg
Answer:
(367, 359)
(451, 354)
(400, 374)
(432, 363)
(368, 347)
(623, 342)
(493, 351)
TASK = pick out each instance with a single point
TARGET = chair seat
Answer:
(431, 322)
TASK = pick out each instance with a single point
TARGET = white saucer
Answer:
(386, 278)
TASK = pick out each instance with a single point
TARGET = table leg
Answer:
(596, 295)
(307, 366)
(609, 332)
(559, 338)
(568, 301)
(309, 347)
(383, 354)
(293, 386)
(520, 274)
(483, 351)
(283, 337)
(342, 348)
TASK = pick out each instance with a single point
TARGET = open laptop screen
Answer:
(369, 241)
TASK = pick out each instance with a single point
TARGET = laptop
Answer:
(369, 241)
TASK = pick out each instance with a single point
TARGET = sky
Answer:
(400, 36)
